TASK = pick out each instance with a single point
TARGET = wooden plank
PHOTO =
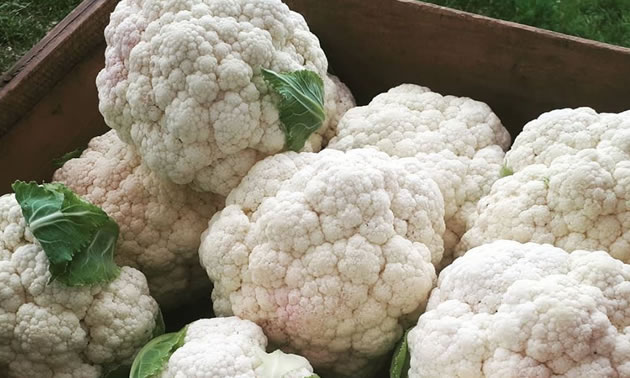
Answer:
(65, 119)
(51, 59)
(520, 71)
(372, 45)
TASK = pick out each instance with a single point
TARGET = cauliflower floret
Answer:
(182, 83)
(230, 347)
(566, 132)
(53, 330)
(330, 253)
(458, 141)
(160, 222)
(507, 309)
(579, 201)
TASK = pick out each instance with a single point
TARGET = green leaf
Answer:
(160, 327)
(302, 104)
(400, 362)
(96, 263)
(60, 161)
(78, 238)
(505, 171)
(153, 356)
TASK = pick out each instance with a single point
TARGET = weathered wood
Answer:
(48, 105)
(65, 119)
(520, 71)
(68, 43)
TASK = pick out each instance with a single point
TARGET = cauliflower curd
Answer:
(160, 222)
(182, 83)
(507, 309)
(50, 330)
(570, 187)
(329, 253)
(458, 141)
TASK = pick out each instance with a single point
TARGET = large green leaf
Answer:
(78, 237)
(400, 362)
(302, 104)
(153, 357)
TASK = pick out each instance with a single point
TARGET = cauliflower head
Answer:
(160, 222)
(219, 347)
(330, 253)
(53, 330)
(568, 131)
(507, 309)
(573, 191)
(460, 142)
(182, 83)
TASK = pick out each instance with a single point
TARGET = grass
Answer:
(24, 22)
(601, 20)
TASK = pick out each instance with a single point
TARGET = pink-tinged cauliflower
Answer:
(507, 309)
(183, 82)
(160, 222)
(330, 253)
(460, 142)
(570, 186)
(54, 330)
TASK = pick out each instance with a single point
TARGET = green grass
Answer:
(24, 22)
(601, 20)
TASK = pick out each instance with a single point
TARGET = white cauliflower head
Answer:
(182, 82)
(571, 186)
(507, 309)
(223, 347)
(53, 330)
(330, 253)
(566, 132)
(460, 142)
(160, 222)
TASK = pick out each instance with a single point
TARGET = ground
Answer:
(24, 22)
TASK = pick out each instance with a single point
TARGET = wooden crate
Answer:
(49, 106)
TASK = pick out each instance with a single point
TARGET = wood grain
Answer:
(520, 71)
(54, 57)
(49, 106)
(65, 119)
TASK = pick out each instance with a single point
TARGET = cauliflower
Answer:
(458, 141)
(572, 190)
(566, 132)
(218, 347)
(507, 309)
(160, 222)
(329, 253)
(55, 330)
(183, 83)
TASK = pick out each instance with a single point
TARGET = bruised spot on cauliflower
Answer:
(330, 253)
